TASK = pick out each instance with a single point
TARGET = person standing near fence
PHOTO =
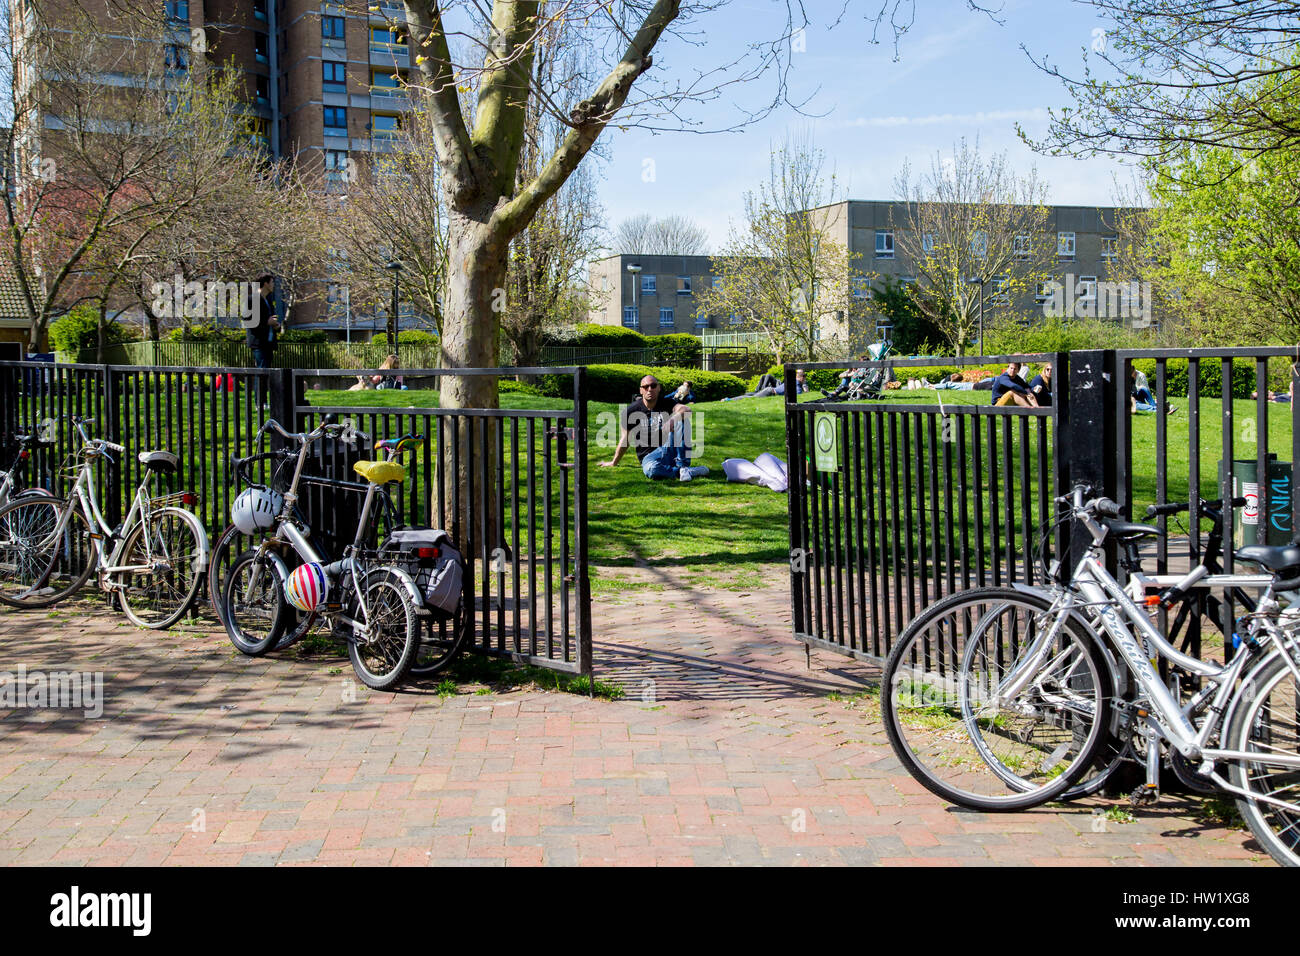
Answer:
(260, 327)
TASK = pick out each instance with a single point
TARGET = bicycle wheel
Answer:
(254, 604)
(442, 641)
(385, 659)
(167, 552)
(1267, 726)
(229, 544)
(37, 566)
(953, 732)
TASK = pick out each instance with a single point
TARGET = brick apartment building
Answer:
(656, 295)
(319, 79)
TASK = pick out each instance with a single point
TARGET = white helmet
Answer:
(256, 508)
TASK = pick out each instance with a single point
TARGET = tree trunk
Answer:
(475, 293)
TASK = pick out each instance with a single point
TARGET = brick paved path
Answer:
(727, 749)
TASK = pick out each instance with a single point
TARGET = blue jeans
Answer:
(669, 458)
(1145, 403)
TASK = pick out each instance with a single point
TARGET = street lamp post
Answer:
(396, 268)
(636, 315)
(980, 283)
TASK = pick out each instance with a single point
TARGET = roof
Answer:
(11, 296)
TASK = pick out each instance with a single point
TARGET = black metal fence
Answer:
(926, 498)
(518, 511)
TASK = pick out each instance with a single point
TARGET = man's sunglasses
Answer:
(651, 385)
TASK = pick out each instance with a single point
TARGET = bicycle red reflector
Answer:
(427, 552)
(24, 455)
(1152, 600)
(190, 498)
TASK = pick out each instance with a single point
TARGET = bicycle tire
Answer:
(964, 749)
(445, 637)
(228, 546)
(1268, 722)
(35, 570)
(160, 597)
(384, 662)
(255, 608)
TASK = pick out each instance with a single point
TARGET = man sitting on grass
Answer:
(1010, 389)
(655, 424)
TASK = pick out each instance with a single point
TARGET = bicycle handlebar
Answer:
(1177, 507)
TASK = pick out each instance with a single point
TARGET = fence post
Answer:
(797, 556)
(112, 493)
(282, 399)
(582, 581)
(1086, 438)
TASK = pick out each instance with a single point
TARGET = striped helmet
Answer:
(307, 586)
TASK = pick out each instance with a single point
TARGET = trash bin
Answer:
(1266, 519)
(332, 512)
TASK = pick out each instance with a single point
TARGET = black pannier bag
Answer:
(438, 569)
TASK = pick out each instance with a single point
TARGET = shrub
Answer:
(205, 333)
(506, 385)
(591, 335)
(306, 336)
(1048, 334)
(416, 337)
(79, 329)
(679, 349)
(1210, 377)
(620, 383)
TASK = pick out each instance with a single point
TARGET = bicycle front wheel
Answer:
(1267, 726)
(46, 552)
(254, 608)
(164, 555)
(228, 546)
(384, 659)
(959, 733)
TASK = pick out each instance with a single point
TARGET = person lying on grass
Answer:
(655, 426)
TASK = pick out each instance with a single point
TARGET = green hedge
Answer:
(678, 349)
(205, 333)
(79, 329)
(416, 337)
(620, 383)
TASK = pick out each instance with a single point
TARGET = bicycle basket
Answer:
(437, 568)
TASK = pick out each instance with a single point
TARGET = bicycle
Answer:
(11, 484)
(153, 563)
(1033, 689)
(370, 604)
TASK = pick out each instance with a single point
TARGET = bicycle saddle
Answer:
(36, 440)
(1125, 530)
(380, 472)
(163, 461)
(1284, 558)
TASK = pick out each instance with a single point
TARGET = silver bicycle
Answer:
(1006, 703)
(152, 564)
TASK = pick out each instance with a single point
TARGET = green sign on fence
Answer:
(826, 442)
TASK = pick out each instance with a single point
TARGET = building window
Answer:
(177, 58)
(979, 244)
(884, 244)
(1043, 290)
(331, 28)
(260, 46)
(259, 9)
(334, 77)
(717, 283)
(386, 83)
(263, 91)
(1020, 247)
(1086, 290)
(683, 285)
(385, 125)
(861, 287)
(648, 286)
(1065, 245)
(1000, 290)
(629, 317)
(384, 40)
(927, 242)
(336, 165)
(178, 11)
(736, 319)
(336, 121)
(665, 318)
(604, 283)
(1109, 247)
(701, 320)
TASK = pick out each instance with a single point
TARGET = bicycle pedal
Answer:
(1144, 795)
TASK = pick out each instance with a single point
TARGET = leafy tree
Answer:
(912, 331)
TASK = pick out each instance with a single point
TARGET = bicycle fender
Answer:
(192, 520)
(408, 585)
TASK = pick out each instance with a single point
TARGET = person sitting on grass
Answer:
(768, 385)
(1140, 397)
(684, 393)
(1010, 389)
(1041, 386)
(655, 426)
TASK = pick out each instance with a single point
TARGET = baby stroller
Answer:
(863, 383)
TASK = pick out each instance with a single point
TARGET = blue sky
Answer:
(958, 74)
